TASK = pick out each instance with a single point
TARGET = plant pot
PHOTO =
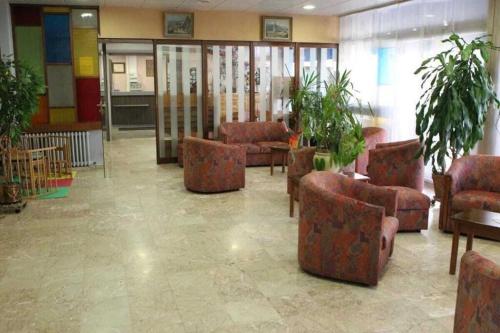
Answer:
(438, 181)
(323, 161)
(11, 193)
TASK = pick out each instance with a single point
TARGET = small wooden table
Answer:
(471, 222)
(283, 151)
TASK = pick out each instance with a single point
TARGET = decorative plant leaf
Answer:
(19, 88)
(458, 91)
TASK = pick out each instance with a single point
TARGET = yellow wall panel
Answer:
(62, 115)
(85, 52)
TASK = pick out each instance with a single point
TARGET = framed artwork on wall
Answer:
(179, 25)
(118, 68)
(277, 28)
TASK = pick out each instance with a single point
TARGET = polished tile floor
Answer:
(136, 252)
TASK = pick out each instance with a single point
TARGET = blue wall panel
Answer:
(57, 38)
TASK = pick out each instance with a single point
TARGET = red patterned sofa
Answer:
(211, 166)
(373, 136)
(393, 165)
(478, 296)
(471, 182)
(346, 227)
(257, 138)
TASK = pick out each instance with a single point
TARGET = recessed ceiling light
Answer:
(86, 15)
(309, 7)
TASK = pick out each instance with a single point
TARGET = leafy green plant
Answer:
(327, 118)
(19, 89)
(458, 92)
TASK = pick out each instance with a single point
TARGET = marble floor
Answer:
(136, 252)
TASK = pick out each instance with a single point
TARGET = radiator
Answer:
(80, 145)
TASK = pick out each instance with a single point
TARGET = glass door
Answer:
(274, 74)
(228, 76)
(180, 109)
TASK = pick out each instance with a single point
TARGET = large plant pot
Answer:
(11, 193)
(323, 161)
(438, 181)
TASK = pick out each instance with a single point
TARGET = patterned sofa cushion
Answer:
(251, 132)
(476, 199)
(410, 199)
(250, 148)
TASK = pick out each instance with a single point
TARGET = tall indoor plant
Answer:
(458, 92)
(19, 89)
(324, 109)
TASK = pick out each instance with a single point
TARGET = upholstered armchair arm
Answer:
(378, 196)
(332, 224)
(300, 161)
(395, 165)
(458, 173)
(373, 136)
(477, 307)
(223, 133)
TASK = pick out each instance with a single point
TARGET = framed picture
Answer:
(277, 28)
(179, 25)
(118, 68)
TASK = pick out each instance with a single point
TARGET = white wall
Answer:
(491, 143)
(6, 46)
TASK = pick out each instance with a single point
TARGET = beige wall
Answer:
(121, 22)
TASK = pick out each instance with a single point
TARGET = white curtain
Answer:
(384, 47)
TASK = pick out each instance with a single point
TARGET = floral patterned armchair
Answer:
(478, 296)
(393, 165)
(211, 166)
(471, 182)
(346, 227)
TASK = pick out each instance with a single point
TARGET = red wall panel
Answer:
(26, 15)
(42, 116)
(88, 96)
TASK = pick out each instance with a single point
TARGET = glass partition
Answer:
(228, 71)
(320, 60)
(179, 73)
(274, 73)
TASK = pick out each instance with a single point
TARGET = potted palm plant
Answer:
(458, 92)
(325, 112)
(19, 89)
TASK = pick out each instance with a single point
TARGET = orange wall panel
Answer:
(42, 116)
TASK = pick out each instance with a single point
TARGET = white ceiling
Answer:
(285, 7)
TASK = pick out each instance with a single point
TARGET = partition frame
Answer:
(204, 63)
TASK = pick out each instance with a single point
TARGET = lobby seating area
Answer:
(299, 166)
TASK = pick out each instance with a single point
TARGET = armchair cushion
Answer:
(475, 172)
(410, 199)
(476, 199)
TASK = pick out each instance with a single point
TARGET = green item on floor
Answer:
(61, 192)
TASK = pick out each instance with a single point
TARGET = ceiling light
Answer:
(86, 15)
(309, 7)
(429, 15)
